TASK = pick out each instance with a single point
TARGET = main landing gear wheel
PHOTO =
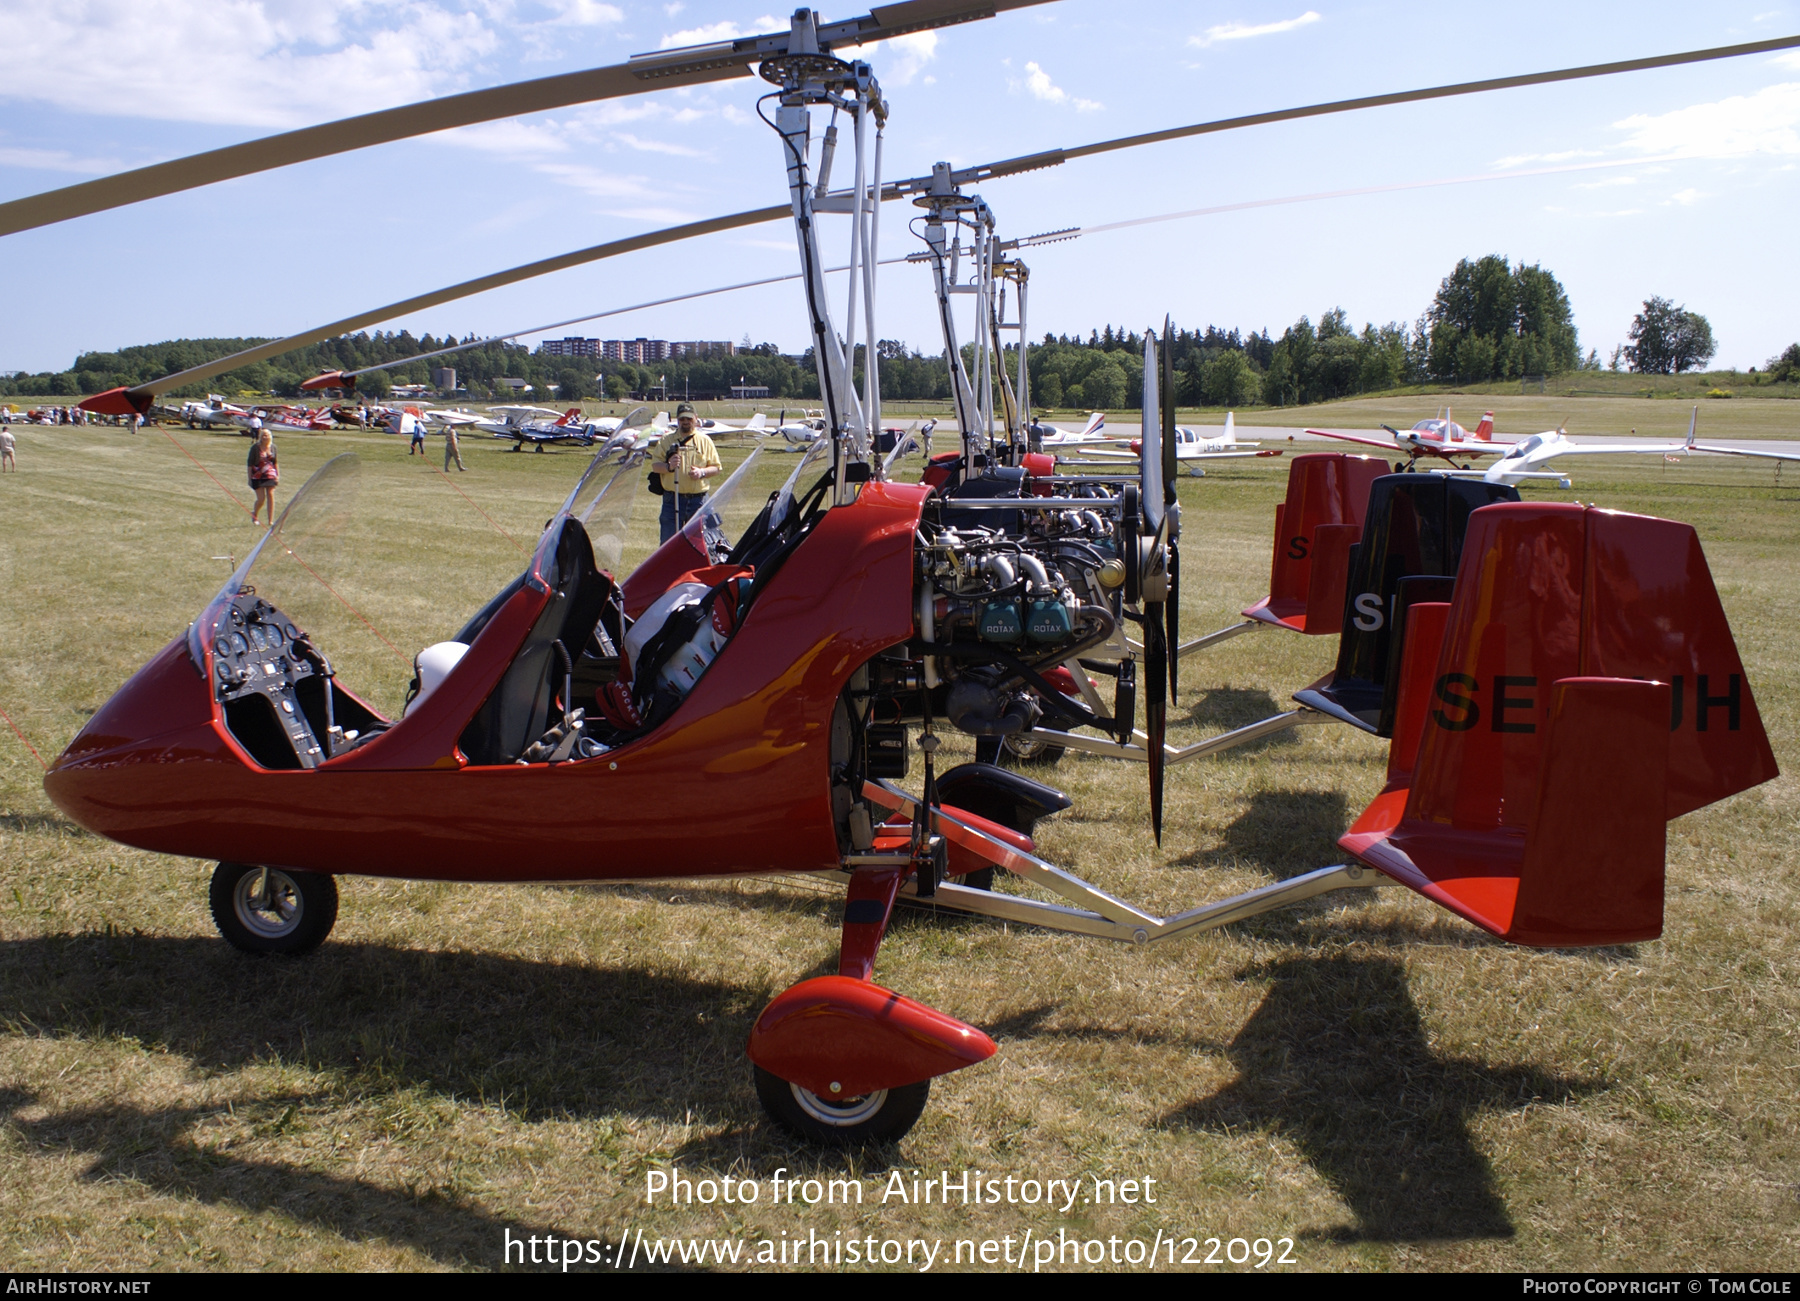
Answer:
(294, 916)
(1022, 750)
(880, 1117)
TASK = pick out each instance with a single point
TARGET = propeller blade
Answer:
(1173, 608)
(1172, 517)
(1166, 392)
(663, 70)
(1156, 707)
(1129, 522)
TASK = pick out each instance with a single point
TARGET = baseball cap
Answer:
(685, 409)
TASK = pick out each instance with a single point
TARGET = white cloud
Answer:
(1519, 160)
(659, 146)
(263, 63)
(1789, 60)
(1038, 82)
(674, 8)
(722, 31)
(57, 160)
(1244, 31)
(1685, 198)
(906, 57)
(585, 13)
(1767, 122)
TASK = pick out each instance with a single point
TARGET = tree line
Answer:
(1489, 320)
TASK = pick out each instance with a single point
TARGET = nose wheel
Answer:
(880, 1117)
(268, 910)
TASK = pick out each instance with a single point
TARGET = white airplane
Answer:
(1193, 446)
(456, 417)
(1052, 436)
(215, 411)
(1523, 458)
(502, 421)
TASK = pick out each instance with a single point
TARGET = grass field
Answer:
(1368, 1076)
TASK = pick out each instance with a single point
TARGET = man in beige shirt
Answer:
(683, 461)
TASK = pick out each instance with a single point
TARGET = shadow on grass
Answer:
(1284, 833)
(1337, 1062)
(543, 1039)
(29, 822)
(155, 1148)
(1225, 709)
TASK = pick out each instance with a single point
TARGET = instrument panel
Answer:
(257, 652)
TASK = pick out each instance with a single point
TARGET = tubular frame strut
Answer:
(1097, 913)
(1138, 748)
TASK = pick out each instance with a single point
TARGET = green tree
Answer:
(1785, 369)
(1522, 315)
(1666, 339)
(1228, 380)
(376, 384)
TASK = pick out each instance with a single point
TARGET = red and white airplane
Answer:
(1438, 437)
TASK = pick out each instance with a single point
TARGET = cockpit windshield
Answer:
(718, 524)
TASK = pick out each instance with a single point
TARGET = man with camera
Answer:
(683, 462)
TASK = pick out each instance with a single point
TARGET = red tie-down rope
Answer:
(209, 474)
(28, 745)
(484, 515)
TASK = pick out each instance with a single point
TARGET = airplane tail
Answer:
(1693, 428)
(1625, 665)
(1485, 430)
(570, 417)
(757, 422)
(1315, 528)
(1095, 423)
(1230, 428)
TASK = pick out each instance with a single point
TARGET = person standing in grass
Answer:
(264, 475)
(452, 450)
(6, 449)
(684, 461)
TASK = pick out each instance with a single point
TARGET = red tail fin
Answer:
(570, 416)
(1485, 430)
(1502, 806)
(1323, 488)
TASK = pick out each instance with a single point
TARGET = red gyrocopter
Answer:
(791, 670)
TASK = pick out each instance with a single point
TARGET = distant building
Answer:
(410, 390)
(516, 385)
(742, 391)
(697, 348)
(570, 348)
(443, 378)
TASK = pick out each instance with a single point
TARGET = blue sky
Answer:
(1689, 189)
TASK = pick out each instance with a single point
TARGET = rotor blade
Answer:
(650, 239)
(663, 70)
(1053, 157)
(1156, 707)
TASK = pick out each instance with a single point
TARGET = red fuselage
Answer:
(736, 781)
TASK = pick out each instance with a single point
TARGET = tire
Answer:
(1019, 751)
(300, 913)
(882, 1117)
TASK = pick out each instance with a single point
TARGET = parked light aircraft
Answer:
(1438, 437)
(1052, 436)
(1193, 446)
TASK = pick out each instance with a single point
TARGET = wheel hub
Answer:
(271, 916)
(839, 1114)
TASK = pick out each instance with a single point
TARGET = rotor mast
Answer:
(810, 76)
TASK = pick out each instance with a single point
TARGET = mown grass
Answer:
(1366, 1075)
